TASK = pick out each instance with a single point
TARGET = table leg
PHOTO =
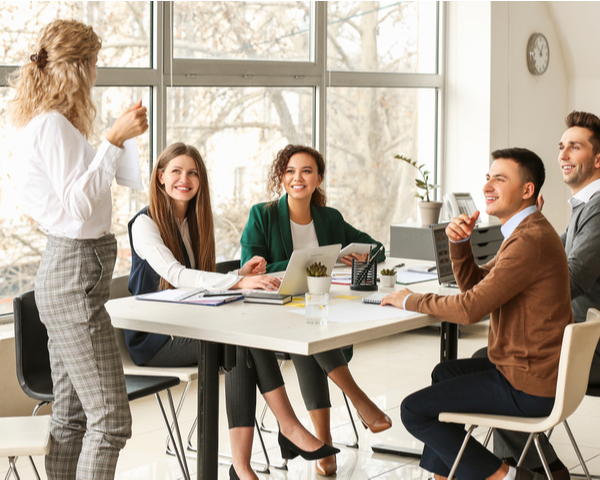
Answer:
(449, 341)
(448, 351)
(208, 410)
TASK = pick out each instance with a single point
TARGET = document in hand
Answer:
(194, 297)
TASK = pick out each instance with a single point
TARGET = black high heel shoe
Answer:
(290, 450)
(232, 473)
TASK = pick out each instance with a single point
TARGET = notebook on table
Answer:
(441, 249)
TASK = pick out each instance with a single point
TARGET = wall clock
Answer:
(538, 54)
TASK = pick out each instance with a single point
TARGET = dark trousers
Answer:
(312, 371)
(254, 368)
(468, 385)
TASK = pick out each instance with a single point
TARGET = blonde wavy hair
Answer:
(199, 213)
(64, 84)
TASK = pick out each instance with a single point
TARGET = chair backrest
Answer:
(31, 348)
(579, 344)
(227, 266)
(119, 287)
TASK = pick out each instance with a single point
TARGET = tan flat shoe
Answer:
(327, 466)
(382, 423)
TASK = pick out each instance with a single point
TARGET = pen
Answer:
(400, 265)
(369, 264)
(432, 269)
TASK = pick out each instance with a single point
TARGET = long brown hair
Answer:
(280, 164)
(199, 213)
(63, 81)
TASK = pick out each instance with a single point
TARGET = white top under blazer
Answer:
(66, 184)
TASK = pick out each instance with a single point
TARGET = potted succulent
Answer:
(388, 277)
(317, 278)
(430, 210)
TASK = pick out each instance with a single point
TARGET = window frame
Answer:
(253, 73)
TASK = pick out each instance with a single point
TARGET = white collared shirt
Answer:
(513, 222)
(149, 246)
(66, 184)
(584, 195)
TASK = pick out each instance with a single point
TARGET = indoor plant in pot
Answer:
(388, 277)
(430, 210)
(317, 278)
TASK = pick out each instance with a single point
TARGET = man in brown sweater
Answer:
(526, 291)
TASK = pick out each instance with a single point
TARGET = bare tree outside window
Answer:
(239, 121)
(125, 29)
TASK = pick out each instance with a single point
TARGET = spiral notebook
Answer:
(375, 299)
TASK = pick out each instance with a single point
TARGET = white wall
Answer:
(467, 134)
(519, 109)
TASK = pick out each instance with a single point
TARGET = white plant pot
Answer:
(388, 281)
(318, 284)
(430, 212)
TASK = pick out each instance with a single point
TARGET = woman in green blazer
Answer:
(300, 219)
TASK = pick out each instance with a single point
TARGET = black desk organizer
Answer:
(368, 279)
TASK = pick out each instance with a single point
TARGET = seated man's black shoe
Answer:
(558, 470)
(524, 474)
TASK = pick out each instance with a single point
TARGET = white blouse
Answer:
(66, 184)
(149, 245)
(304, 236)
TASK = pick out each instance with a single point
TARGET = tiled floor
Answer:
(388, 370)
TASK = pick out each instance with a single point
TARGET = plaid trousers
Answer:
(91, 420)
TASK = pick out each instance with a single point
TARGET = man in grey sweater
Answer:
(579, 161)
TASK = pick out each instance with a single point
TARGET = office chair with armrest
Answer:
(579, 343)
(35, 377)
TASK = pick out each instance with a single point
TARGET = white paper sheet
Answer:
(405, 277)
(128, 173)
(352, 312)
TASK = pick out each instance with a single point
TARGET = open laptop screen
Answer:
(441, 249)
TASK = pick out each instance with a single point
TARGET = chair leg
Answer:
(461, 451)
(179, 405)
(12, 467)
(488, 436)
(37, 475)
(225, 459)
(578, 452)
(179, 452)
(538, 446)
(525, 449)
(354, 444)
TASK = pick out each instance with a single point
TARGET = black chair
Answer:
(34, 373)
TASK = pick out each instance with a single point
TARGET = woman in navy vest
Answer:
(172, 246)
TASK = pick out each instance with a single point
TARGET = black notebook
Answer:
(273, 298)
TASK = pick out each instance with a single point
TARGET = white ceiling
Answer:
(577, 28)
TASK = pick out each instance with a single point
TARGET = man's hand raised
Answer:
(461, 227)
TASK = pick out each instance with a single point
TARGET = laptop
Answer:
(441, 249)
(294, 280)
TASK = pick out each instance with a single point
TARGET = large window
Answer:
(360, 81)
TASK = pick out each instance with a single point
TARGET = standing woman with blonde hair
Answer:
(67, 191)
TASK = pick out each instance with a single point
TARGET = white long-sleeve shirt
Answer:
(149, 246)
(66, 184)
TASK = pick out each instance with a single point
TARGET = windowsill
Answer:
(7, 330)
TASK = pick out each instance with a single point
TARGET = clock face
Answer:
(538, 54)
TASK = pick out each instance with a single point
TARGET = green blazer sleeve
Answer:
(269, 235)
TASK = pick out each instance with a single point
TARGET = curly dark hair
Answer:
(280, 164)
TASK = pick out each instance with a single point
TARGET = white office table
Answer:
(270, 327)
